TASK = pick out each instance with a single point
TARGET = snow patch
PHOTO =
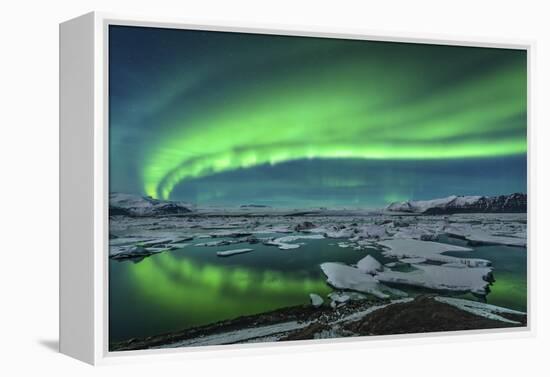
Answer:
(480, 309)
(241, 335)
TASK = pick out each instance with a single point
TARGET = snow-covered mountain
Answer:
(464, 204)
(135, 205)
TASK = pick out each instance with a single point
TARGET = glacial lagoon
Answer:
(193, 286)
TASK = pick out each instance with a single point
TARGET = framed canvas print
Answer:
(224, 187)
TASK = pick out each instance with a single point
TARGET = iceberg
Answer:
(284, 243)
(369, 265)
(346, 277)
(476, 235)
(316, 300)
(432, 251)
(470, 279)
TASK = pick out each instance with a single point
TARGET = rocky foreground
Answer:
(423, 314)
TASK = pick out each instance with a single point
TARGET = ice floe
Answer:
(432, 251)
(470, 279)
(346, 277)
(369, 265)
(339, 233)
(285, 243)
(227, 253)
(417, 260)
(316, 300)
(478, 235)
(371, 231)
(135, 248)
(218, 243)
(132, 252)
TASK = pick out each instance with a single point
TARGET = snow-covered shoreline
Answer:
(321, 321)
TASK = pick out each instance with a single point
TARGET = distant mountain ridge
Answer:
(513, 203)
(137, 206)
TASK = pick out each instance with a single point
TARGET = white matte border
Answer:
(101, 221)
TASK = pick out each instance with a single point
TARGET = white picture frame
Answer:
(84, 191)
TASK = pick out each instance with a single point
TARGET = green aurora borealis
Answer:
(192, 111)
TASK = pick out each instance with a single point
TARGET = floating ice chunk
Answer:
(228, 253)
(369, 265)
(339, 233)
(481, 309)
(284, 243)
(372, 231)
(407, 248)
(231, 234)
(415, 232)
(339, 298)
(276, 229)
(316, 300)
(470, 279)
(416, 261)
(179, 245)
(288, 246)
(305, 226)
(132, 252)
(126, 241)
(160, 241)
(366, 243)
(301, 237)
(454, 265)
(218, 243)
(345, 277)
(483, 235)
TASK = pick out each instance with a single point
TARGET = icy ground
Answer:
(345, 321)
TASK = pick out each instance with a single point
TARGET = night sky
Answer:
(229, 118)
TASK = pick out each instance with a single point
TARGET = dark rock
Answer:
(252, 240)
(306, 225)
(422, 315)
(428, 237)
